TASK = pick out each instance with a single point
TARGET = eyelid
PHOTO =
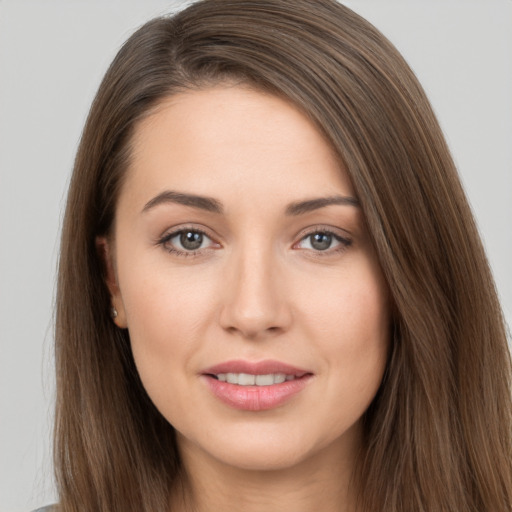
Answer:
(344, 239)
(192, 226)
(322, 228)
(170, 233)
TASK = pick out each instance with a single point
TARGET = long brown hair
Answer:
(438, 434)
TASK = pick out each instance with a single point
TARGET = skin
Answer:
(257, 289)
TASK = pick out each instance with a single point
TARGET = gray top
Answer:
(48, 508)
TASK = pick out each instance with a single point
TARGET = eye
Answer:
(323, 241)
(189, 240)
(186, 242)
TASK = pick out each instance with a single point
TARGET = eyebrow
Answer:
(169, 196)
(213, 205)
(310, 205)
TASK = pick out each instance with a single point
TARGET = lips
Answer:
(247, 379)
(255, 386)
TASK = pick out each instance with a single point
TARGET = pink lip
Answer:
(255, 368)
(255, 398)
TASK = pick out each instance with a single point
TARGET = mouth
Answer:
(248, 379)
(257, 386)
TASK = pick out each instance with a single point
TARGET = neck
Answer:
(321, 482)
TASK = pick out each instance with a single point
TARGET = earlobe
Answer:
(105, 254)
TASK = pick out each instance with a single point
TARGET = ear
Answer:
(105, 253)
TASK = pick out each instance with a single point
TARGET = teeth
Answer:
(279, 378)
(246, 379)
(265, 380)
(232, 378)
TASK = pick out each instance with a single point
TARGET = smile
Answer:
(247, 379)
(259, 386)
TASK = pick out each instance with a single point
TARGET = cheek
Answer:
(352, 308)
(170, 314)
(165, 305)
(350, 320)
(166, 312)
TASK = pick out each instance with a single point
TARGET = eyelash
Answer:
(173, 250)
(344, 242)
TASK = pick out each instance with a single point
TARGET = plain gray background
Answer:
(52, 56)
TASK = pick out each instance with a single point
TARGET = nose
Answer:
(255, 303)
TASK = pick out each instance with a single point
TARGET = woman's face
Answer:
(241, 266)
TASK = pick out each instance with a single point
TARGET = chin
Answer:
(270, 458)
(263, 447)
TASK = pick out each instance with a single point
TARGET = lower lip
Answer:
(256, 398)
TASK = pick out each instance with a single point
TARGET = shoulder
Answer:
(48, 508)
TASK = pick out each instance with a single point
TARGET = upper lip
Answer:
(255, 368)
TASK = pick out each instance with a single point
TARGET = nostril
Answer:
(253, 318)
(254, 333)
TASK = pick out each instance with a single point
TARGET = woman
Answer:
(271, 289)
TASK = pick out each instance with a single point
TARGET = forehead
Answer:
(212, 140)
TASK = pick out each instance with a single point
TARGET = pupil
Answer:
(191, 240)
(321, 241)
